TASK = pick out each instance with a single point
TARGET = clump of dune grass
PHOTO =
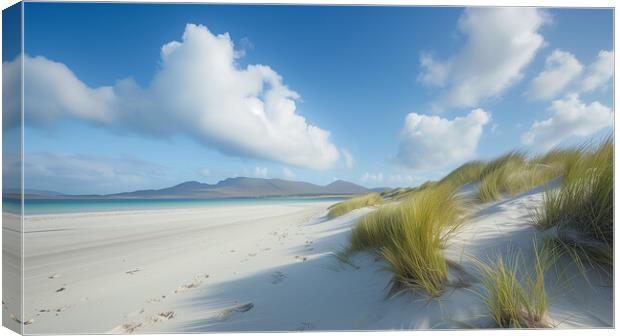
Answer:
(515, 297)
(467, 173)
(410, 236)
(398, 194)
(512, 174)
(560, 161)
(581, 209)
(358, 202)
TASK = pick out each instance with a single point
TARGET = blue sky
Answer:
(407, 93)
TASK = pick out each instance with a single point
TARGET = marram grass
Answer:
(514, 296)
(467, 173)
(512, 174)
(410, 236)
(581, 209)
(358, 202)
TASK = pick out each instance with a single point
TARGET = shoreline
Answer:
(269, 267)
(174, 205)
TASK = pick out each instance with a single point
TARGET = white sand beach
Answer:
(261, 267)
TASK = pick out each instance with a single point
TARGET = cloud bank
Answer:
(569, 117)
(563, 71)
(600, 72)
(199, 91)
(78, 174)
(561, 68)
(431, 141)
(500, 43)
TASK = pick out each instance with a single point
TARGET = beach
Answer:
(266, 267)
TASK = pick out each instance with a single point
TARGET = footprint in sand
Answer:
(277, 277)
(197, 282)
(226, 313)
(130, 327)
(163, 316)
(301, 258)
(155, 299)
(14, 318)
(127, 328)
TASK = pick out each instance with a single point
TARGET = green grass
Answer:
(581, 209)
(515, 297)
(358, 202)
(512, 174)
(410, 236)
(467, 173)
(398, 194)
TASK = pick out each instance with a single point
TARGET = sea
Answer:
(66, 206)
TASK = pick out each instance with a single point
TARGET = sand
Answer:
(261, 268)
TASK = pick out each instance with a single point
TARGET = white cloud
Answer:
(599, 73)
(348, 158)
(561, 68)
(287, 173)
(500, 42)
(430, 142)
(435, 73)
(372, 178)
(75, 173)
(569, 117)
(199, 91)
(11, 87)
(260, 172)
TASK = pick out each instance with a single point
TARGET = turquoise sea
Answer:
(59, 206)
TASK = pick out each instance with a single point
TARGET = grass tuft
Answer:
(410, 236)
(516, 298)
(358, 202)
(581, 209)
(512, 174)
(467, 173)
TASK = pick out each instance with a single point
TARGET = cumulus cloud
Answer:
(260, 172)
(11, 87)
(600, 72)
(431, 141)
(500, 42)
(569, 117)
(561, 68)
(75, 173)
(199, 91)
(348, 158)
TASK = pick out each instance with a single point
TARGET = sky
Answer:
(136, 96)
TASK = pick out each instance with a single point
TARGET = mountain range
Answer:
(230, 188)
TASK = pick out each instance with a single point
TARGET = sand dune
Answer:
(259, 268)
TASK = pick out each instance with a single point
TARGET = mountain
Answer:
(246, 187)
(381, 189)
(32, 192)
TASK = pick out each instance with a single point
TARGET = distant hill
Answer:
(236, 187)
(33, 192)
